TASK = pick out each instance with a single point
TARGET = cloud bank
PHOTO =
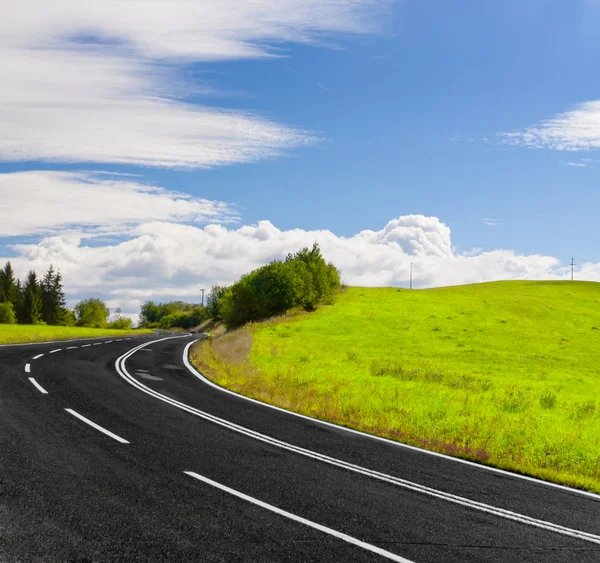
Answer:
(165, 260)
(94, 204)
(97, 82)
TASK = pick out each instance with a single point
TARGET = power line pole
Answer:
(572, 266)
(202, 290)
(411, 269)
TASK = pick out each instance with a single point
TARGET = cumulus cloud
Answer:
(575, 130)
(164, 260)
(94, 203)
(96, 82)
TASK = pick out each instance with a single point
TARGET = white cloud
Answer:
(490, 222)
(575, 130)
(576, 164)
(95, 81)
(165, 260)
(94, 203)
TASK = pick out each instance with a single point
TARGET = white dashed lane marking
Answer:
(27, 368)
(85, 345)
(97, 426)
(299, 519)
(54, 351)
(38, 356)
(72, 347)
(38, 386)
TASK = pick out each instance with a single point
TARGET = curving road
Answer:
(117, 450)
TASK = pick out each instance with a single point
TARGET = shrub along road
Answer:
(115, 450)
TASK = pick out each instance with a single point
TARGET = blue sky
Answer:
(400, 110)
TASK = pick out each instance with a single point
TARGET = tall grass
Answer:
(16, 334)
(502, 373)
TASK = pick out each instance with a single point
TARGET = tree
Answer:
(120, 322)
(91, 312)
(32, 300)
(304, 280)
(171, 314)
(19, 305)
(212, 301)
(7, 314)
(149, 313)
(58, 296)
(53, 298)
(8, 285)
(68, 318)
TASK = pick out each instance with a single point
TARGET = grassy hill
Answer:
(16, 334)
(504, 373)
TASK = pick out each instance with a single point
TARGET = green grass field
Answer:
(504, 373)
(16, 334)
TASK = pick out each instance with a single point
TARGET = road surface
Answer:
(115, 450)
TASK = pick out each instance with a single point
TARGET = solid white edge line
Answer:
(54, 351)
(499, 512)
(38, 386)
(97, 426)
(38, 356)
(320, 527)
(27, 368)
(480, 466)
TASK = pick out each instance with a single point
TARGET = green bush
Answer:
(7, 314)
(91, 313)
(303, 280)
(173, 314)
(120, 323)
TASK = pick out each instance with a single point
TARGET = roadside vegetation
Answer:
(35, 310)
(172, 315)
(16, 334)
(303, 280)
(501, 373)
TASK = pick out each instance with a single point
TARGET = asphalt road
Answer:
(107, 455)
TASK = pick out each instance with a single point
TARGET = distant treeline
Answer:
(303, 280)
(33, 301)
(173, 314)
(42, 302)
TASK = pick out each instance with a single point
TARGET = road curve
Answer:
(114, 450)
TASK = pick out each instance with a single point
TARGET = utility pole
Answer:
(572, 266)
(202, 290)
(411, 269)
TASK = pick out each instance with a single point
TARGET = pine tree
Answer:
(32, 299)
(48, 308)
(53, 297)
(58, 297)
(8, 285)
(19, 305)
